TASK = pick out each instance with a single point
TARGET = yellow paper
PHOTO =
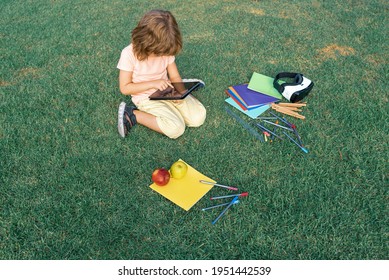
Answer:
(185, 192)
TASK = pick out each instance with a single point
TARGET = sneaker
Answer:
(194, 80)
(126, 119)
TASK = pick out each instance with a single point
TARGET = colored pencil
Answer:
(274, 131)
(297, 144)
(265, 129)
(282, 119)
(231, 195)
(284, 127)
(219, 205)
(225, 209)
(219, 185)
(266, 118)
(298, 137)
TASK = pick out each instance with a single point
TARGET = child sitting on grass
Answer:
(148, 64)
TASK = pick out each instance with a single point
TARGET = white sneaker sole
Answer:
(193, 80)
(122, 106)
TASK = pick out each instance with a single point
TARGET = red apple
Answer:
(160, 176)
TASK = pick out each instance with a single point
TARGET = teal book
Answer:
(263, 84)
(252, 113)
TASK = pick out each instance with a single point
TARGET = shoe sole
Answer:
(122, 106)
(194, 80)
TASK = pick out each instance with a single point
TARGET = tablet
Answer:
(179, 91)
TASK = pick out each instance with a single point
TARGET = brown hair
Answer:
(156, 33)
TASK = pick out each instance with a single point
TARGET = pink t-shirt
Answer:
(153, 68)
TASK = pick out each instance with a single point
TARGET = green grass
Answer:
(71, 188)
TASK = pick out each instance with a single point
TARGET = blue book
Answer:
(252, 113)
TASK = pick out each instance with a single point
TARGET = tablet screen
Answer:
(178, 91)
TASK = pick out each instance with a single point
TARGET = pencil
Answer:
(219, 205)
(231, 195)
(219, 185)
(265, 129)
(225, 210)
(267, 118)
(274, 131)
(292, 104)
(284, 127)
(282, 119)
(297, 144)
(298, 137)
(286, 111)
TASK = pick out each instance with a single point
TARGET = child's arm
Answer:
(174, 75)
(127, 87)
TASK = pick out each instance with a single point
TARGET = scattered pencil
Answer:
(219, 205)
(219, 185)
(284, 127)
(231, 195)
(291, 125)
(225, 209)
(297, 144)
(292, 104)
(269, 131)
(298, 137)
(288, 126)
(282, 119)
(286, 110)
(266, 118)
(274, 131)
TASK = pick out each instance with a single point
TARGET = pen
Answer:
(264, 128)
(284, 127)
(298, 137)
(219, 185)
(231, 195)
(283, 120)
(274, 131)
(219, 205)
(291, 139)
(225, 209)
(290, 124)
(266, 118)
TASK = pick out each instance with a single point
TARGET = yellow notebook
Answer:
(187, 191)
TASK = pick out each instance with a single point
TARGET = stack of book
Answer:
(255, 97)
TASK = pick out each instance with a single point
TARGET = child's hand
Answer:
(161, 84)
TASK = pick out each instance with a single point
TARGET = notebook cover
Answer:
(263, 84)
(250, 97)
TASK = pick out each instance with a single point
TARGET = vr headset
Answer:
(293, 91)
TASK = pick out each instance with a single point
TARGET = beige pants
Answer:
(173, 117)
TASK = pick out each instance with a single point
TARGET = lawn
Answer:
(71, 188)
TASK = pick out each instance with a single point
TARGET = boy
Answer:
(148, 64)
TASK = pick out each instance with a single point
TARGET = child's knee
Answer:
(199, 118)
(175, 131)
(171, 127)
